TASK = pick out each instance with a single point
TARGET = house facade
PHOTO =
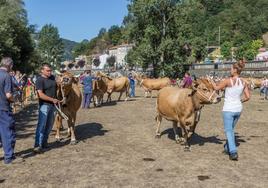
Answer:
(120, 53)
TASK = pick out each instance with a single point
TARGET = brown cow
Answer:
(152, 84)
(253, 83)
(120, 84)
(183, 106)
(71, 96)
(99, 89)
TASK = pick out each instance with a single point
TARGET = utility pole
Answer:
(220, 39)
(219, 35)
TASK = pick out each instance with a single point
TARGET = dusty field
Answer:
(117, 148)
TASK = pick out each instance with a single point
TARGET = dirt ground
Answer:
(117, 148)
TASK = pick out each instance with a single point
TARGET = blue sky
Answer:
(76, 19)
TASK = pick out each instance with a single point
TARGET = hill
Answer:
(68, 47)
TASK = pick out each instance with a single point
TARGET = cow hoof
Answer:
(187, 149)
(158, 136)
(74, 142)
(180, 140)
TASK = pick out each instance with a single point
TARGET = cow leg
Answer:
(58, 122)
(71, 124)
(94, 101)
(145, 94)
(158, 119)
(109, 98)
(101, 99)
(185, 135)
(151, 94)
(177, 136)
(120, 95)
(127, 95)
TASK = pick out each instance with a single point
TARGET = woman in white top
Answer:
(234, 87)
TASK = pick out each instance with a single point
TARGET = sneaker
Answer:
(14, 160)
(45, 146)
(233, 156)
(225, 151)
(38, 150)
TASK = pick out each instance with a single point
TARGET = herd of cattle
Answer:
(182, 106)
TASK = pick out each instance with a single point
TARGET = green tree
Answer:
(81, 48)
(249, 50)
(226, 50)
(15, 35)
(114, 34)
(152, 28)
(50, 45)
(102, 32)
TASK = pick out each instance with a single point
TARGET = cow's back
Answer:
(156, 84)
(175, 103)
(120, 84)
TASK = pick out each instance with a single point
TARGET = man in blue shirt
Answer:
(132, 85)
(87, 91)
(7, 122)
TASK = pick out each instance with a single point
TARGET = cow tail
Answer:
(156, 108)
(127, 89)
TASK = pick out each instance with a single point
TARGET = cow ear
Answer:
(194, 88)
(75, 80)
(193, 92)
(195, 85)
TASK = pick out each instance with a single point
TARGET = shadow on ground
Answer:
(23, 119)
(197, 139)
(83, 132)
(89, 130)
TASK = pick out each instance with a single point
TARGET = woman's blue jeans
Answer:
(230, 120)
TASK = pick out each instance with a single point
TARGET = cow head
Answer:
(108, 81)
(65, 81)
(205, 92)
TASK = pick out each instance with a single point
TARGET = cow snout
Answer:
(66, 80)
(217, 100)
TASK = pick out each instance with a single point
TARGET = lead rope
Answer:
(60, 112)
(59, 107)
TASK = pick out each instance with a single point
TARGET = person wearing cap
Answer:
(87, 89)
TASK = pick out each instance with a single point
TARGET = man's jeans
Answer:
(7, 134)
(230, 119)
(86, 100)
(45, 123)
(132, 90)
(264, 90)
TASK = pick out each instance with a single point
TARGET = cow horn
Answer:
(57, 72)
